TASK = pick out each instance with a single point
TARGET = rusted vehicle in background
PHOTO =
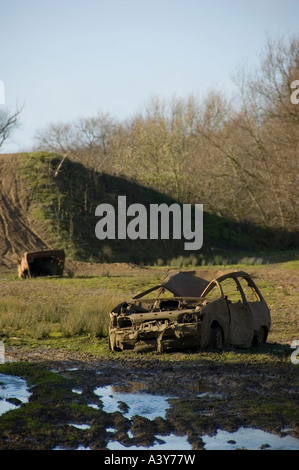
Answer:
(42, 263)
(190, 312)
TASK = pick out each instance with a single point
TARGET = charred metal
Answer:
(190, 312)
(42, 263)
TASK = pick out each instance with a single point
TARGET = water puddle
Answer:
(131, 399)
(249, 439)
(64, 448)
(80, 426)
(171, 442)
(12, 388)
(132, 402)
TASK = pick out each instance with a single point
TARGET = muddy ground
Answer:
(206, 392)
(204, 396)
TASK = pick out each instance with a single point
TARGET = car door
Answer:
(241, 321)
(256, 303)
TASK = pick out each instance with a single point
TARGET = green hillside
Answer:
(64, 203)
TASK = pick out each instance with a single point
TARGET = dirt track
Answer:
(16, 231)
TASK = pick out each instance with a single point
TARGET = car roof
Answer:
(187, 284)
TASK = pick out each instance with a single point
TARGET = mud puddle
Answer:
(115, 398)
(167, 406)
(171, 442)
(249, 439)
(13, 392)
(132, 400)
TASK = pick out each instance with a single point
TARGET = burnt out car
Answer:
(41, 263)
(190, 312)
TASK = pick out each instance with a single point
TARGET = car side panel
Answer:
(260, 315)
(241, 325)
(215, 311)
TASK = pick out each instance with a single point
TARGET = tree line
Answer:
(238, 156)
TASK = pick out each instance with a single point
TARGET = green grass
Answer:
(73, 313)
(294, 264)
(43, 318)
(42, 308)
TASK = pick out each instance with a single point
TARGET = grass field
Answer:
(73, 312)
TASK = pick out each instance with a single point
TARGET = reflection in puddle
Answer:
(132, 402)
(80, 426)
(131, 399)
(250, 439)
(171, 442)
(12, 386)
(141, 404)
(64, 448)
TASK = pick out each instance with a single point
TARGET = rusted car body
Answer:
(42, 263)
(190, 312)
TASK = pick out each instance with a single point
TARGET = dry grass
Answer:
(40, 308)
(65, 307)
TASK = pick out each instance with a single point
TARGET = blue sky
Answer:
(65, 59)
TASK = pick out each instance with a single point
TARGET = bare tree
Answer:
(8, 123)
(246, 151)
(238, 157)
(85, 140)
(269, 124)
(153, 148)
(57, 138)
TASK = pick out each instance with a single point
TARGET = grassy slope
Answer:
(66, 205)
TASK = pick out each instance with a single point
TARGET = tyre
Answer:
(260, 337)
(216, 337)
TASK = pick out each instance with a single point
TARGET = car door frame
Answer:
(240, 331)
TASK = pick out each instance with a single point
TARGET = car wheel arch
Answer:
(216, 335)
(260, 336)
